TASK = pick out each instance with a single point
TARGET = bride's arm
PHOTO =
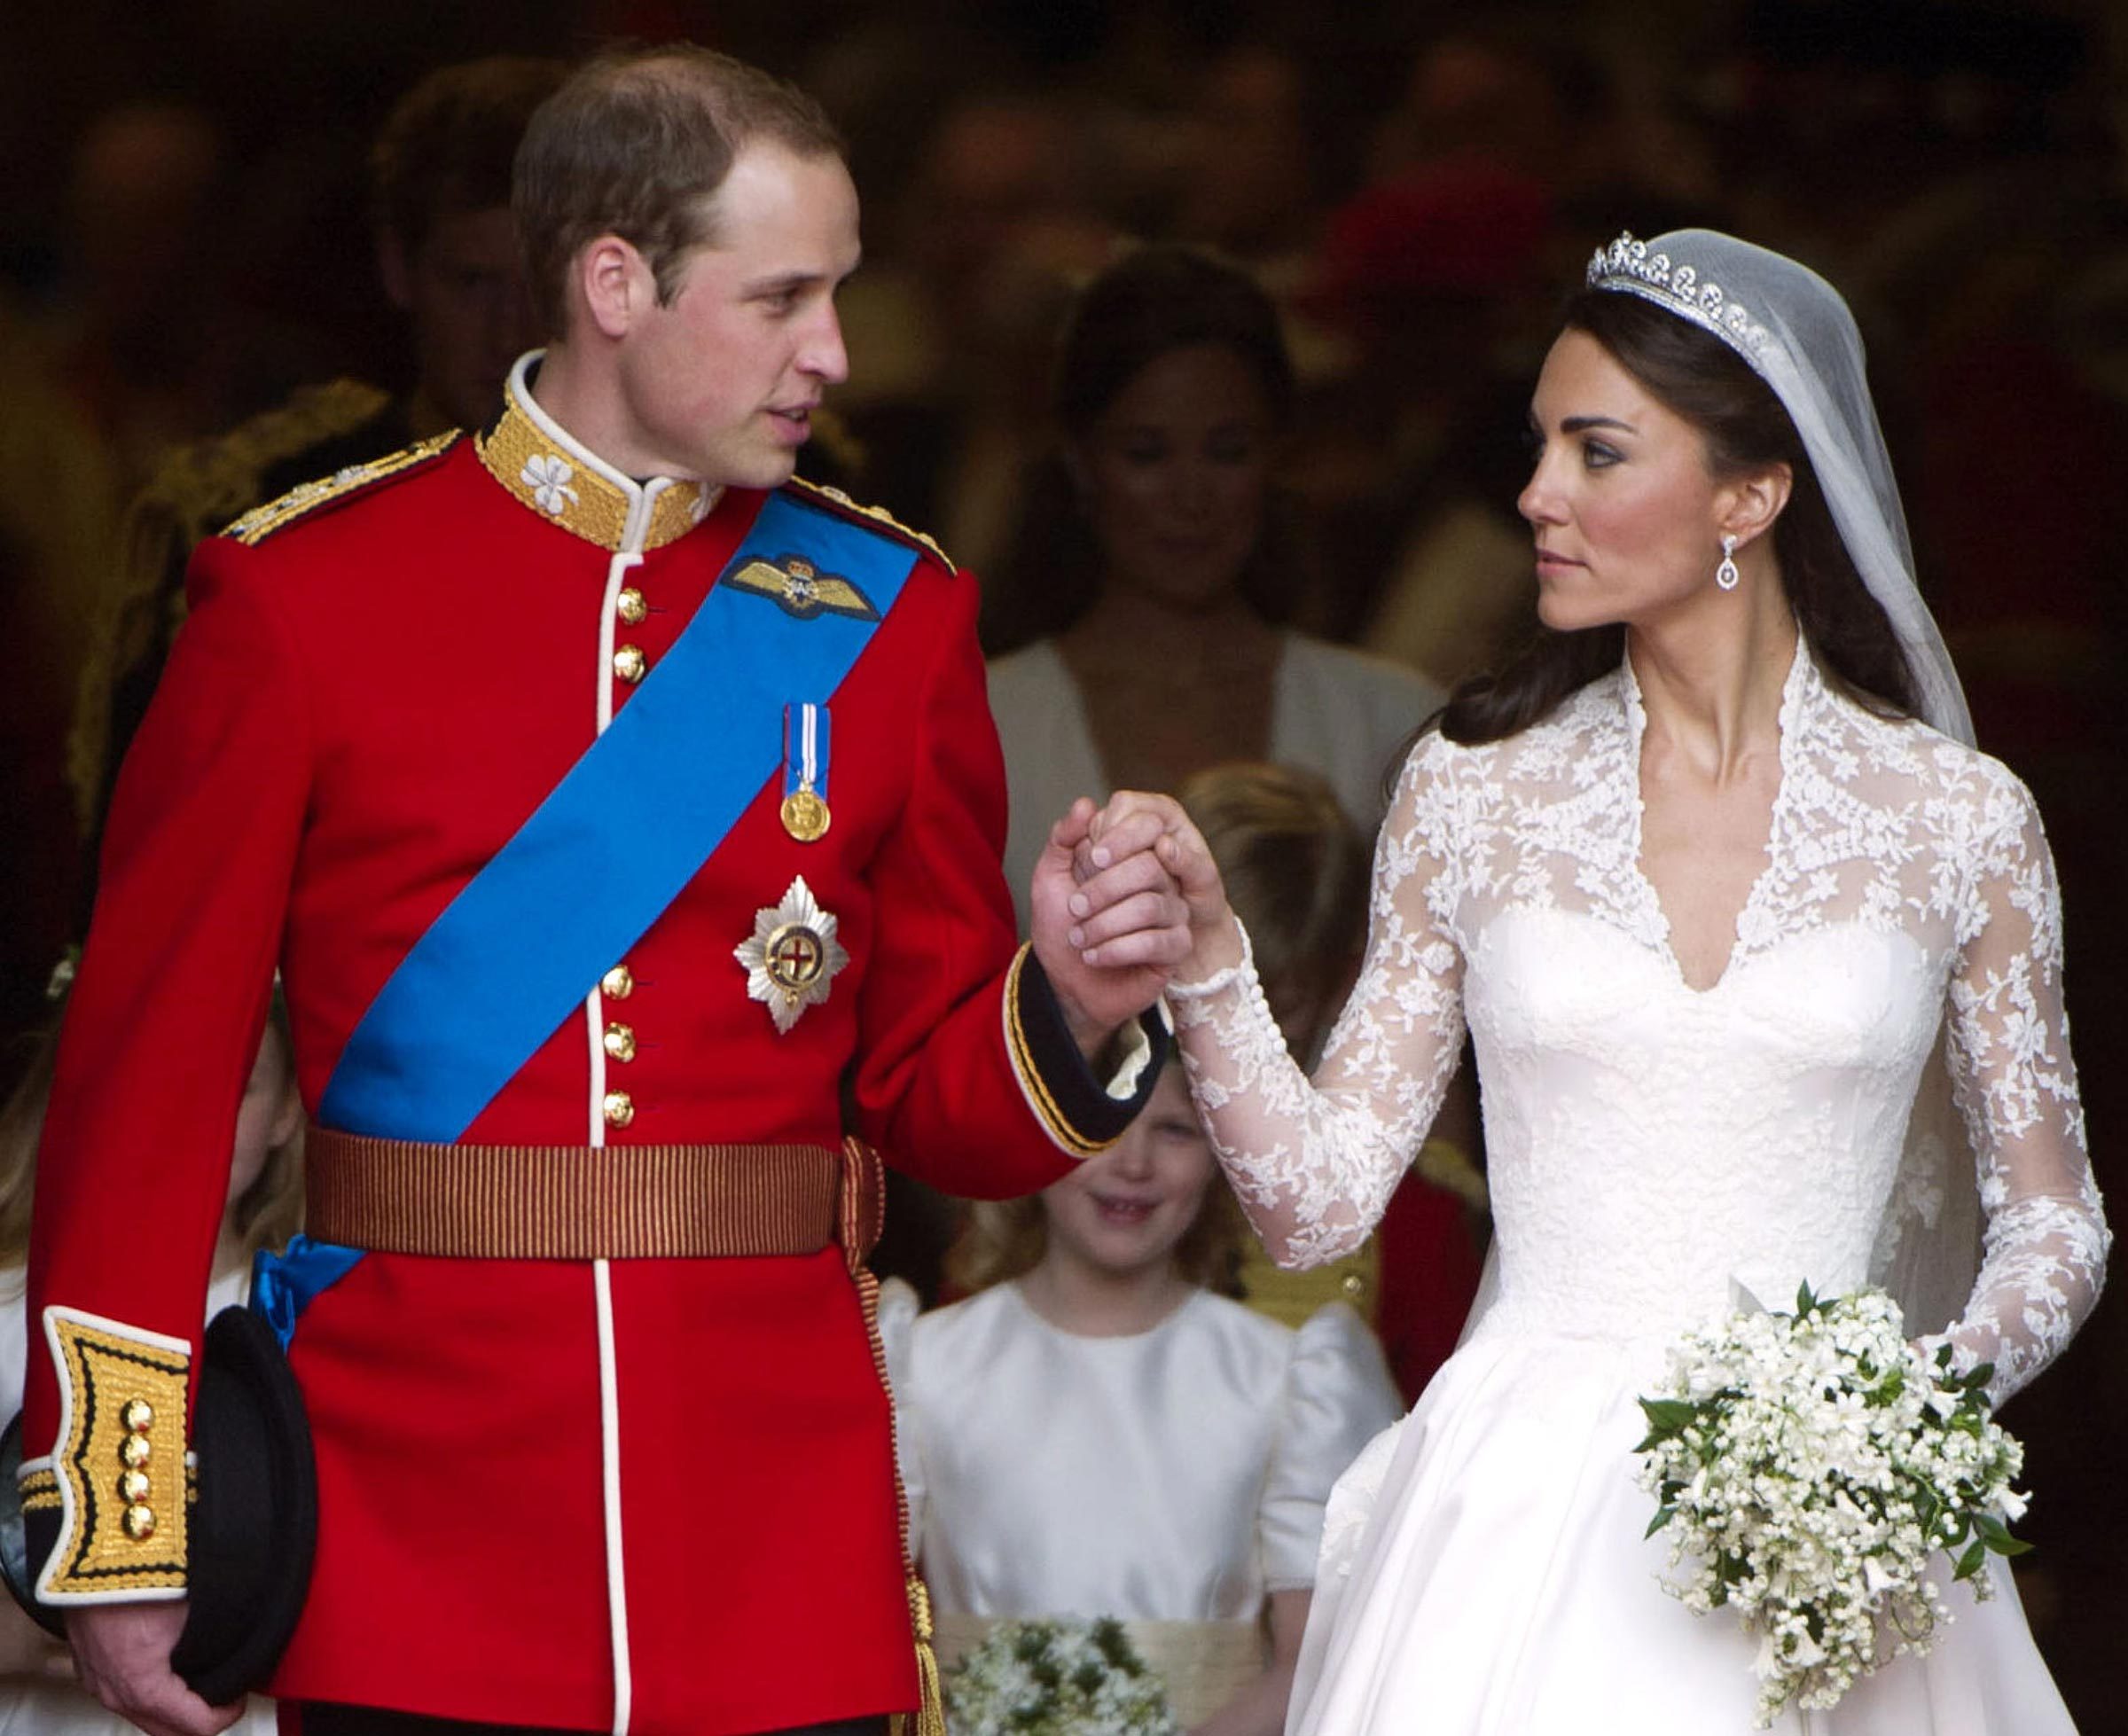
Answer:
(2017, 1086)
(1315, 1163)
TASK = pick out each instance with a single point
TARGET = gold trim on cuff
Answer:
(1032, 1083)
(122, 1407)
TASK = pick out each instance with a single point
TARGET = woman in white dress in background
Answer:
(1713, 875)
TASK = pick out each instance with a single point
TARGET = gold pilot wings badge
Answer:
(801, 588)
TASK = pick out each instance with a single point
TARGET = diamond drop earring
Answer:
(1726, 575)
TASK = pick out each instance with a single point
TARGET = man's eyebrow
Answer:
(782, 281)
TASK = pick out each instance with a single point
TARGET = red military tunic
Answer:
(650, 1492)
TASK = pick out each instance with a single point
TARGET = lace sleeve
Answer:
(1315, 1163)
(2045, 1246)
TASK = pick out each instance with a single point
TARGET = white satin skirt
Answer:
(1484, 1574)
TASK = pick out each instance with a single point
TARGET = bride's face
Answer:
(1626, 513)
(1126, 1209)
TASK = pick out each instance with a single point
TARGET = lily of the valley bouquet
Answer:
(1056, 1677)
(1808, 1467)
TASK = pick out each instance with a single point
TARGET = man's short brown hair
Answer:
(634, 144)
(448, 147)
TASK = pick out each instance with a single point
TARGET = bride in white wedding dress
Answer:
(1715, 878)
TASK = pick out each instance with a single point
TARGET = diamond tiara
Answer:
(1627, 264)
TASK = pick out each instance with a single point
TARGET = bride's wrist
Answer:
(1221, 954)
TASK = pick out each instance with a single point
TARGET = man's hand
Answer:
(1108, 925)
(122, 1651)
(1138, 818)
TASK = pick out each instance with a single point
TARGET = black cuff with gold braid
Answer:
(1082, 1111)
(119, 1466)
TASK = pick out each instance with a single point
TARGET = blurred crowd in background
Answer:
(190, 234)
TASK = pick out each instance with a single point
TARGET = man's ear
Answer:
(613, 284)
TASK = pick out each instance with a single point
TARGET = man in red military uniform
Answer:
(613, 807)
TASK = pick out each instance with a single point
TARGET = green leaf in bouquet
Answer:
(1664, 1516)
(1997, 1536)
(1805, 1302)
(1976, 1380)
(1666, 1418)
(1971, 1561)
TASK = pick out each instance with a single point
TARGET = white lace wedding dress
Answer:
(1650, 1144)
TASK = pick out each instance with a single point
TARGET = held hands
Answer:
(122, 1651)
(1124, 899)
(1143, 819)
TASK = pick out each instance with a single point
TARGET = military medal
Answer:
(792, 956)
(805, 749)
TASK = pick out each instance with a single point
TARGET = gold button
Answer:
(630, 664)
(619, 1108)
(133, 1487)
(1354, 1286)
(139, 1416)
(631, 608)
(140, 1522)
(620, 983)
(620, 1042)
(134, 1451)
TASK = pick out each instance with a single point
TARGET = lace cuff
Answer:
(1220, 981)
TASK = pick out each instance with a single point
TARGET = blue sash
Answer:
(515, 953)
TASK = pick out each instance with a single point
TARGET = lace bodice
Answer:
(1651, 1144)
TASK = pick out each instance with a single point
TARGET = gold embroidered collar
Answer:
(537, 459)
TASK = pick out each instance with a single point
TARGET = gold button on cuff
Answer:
(133, 1487)
(620, 1042)
(134, 1451)
(631, 607)
(619, 1108)
(630, 664)
(618, 983)
(140, 1523)
(1354, 1286)
(139, 1416)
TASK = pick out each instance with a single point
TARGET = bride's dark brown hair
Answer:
(1697, 376)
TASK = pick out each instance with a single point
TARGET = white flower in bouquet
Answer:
(1056, 1677)
(1809, 1466)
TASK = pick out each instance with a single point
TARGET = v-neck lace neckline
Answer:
(1801, 676)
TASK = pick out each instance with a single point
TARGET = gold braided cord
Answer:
(864, 1215)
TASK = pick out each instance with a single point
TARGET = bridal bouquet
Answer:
(1056, 1679)
(1807, 1466)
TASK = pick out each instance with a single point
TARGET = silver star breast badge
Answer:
(792, 954)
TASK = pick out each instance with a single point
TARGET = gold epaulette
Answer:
(875, 518)
(306, 497)
(196, 488)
